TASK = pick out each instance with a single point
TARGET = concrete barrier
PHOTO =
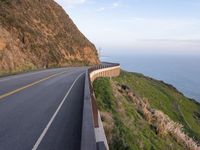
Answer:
(88, 140)
(93, 135)
(105, 72)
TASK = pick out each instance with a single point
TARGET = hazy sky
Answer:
(138, 26)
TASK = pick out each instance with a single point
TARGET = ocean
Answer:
(182, 71)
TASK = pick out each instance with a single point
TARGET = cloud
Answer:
(71, 2)
(110, 6)
(114, 5)
(132, 20)
(197, 41)
(75, 1)
(101, 9)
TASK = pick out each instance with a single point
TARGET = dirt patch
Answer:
(2, 45)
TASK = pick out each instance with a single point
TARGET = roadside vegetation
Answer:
(127, 126)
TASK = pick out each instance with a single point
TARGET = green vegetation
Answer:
(5, 1)
(165, 98)
(103, 92)
(126, 128)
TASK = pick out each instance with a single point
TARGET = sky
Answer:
(138, 26)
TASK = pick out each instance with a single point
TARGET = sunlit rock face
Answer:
(39, 34)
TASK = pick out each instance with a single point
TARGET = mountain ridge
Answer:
(39, 34)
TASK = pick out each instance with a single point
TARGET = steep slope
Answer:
(39, 34)
(142, 113)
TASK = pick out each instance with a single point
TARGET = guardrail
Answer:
(93, 136)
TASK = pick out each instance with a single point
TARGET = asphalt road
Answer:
(42, 110)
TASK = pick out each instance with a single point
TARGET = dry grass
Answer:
(162, 123)
(42, 34)
(108, 124)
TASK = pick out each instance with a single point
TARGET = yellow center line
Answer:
(29, 85)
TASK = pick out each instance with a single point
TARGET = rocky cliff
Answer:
(39, 34)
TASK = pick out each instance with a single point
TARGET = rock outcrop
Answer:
(39, 34)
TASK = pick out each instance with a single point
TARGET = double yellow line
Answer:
(29, 85)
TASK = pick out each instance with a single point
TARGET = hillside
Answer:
(139, 112)
(39, 34)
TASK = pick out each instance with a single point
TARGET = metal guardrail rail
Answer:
(90, 111)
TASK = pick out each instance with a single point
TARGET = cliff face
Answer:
(39, 34)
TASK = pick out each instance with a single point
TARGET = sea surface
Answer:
(182, 71)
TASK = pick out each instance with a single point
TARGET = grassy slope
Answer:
(40, 34)
(130, 130)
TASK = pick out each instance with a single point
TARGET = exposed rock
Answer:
(37, 34)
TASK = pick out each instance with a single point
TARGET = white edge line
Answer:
(54, 115)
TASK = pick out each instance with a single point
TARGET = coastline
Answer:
(180, 71)
(167, 84)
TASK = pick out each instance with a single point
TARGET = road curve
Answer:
(42, 110)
